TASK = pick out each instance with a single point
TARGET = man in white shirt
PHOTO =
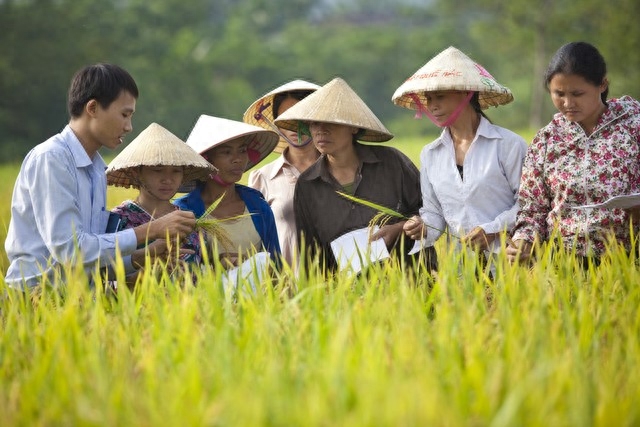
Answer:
(58, 209)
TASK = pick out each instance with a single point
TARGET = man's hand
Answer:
(158, 249)
(389, 233)
(176, 224)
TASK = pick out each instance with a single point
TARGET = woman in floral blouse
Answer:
(587, 154)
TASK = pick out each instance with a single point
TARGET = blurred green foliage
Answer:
(217, 56)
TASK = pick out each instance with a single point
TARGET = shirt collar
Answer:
(617, 108)
(485, 130)
(279, 164)
(78, 152)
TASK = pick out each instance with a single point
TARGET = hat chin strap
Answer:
(452, 118)
(216, 178)
(253, 154)
(260, 116)
(298, 145)
(290, 142)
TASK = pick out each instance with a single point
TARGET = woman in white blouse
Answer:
(470, 175)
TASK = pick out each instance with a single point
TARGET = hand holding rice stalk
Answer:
(385, 214)
(212, 227)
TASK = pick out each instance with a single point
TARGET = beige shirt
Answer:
(243, 235)
(277, 181)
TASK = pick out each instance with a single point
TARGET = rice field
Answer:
(552, 344)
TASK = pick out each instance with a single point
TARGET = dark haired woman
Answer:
(277, 180)
(470, 175)
(587, 154)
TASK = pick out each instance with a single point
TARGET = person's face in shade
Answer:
(332, 138)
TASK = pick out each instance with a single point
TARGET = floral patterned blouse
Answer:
(133, 215)
(565, 168)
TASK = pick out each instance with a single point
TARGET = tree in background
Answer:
(41, 45)
(217, 56)
(519, 37)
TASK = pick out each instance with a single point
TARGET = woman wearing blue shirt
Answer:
(233, 147)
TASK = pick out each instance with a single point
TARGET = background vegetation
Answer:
(550, 345)
(217, 56)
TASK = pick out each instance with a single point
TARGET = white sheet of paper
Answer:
(418, 246)
(624, 201)
(255, 264)
(353, 249)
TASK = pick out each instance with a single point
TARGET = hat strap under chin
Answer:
(216, 178)
(260, 116)
(452, 118)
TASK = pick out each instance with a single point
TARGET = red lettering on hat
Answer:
(483, 72)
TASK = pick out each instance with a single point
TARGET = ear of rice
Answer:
(385, 214)
(382, 209)
(212, 227)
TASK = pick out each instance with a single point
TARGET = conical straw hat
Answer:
(210, 132)
(337, 103)
(260, 113)
(156, 146)
(451, 70)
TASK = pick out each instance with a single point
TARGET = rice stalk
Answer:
(211, 225)
(385, 214)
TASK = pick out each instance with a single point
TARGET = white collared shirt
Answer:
(58, 213)
(488, 194)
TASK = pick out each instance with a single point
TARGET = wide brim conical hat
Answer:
(252, 115)
(451, 70)
(336, 103)
(210, 132)
(156, 146)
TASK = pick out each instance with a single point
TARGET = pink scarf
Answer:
(452, 118)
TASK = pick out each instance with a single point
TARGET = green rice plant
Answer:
(212, 227)
(385, 214)
(546, 344)
(555, 345)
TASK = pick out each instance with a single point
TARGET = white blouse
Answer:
(486, 195)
